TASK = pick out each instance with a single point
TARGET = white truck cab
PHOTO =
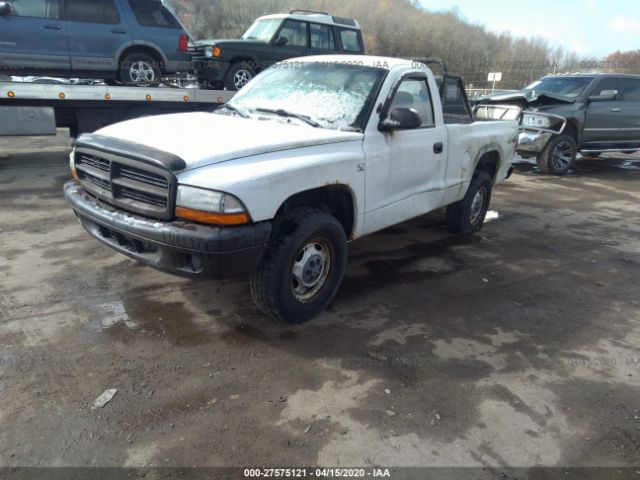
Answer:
(312, 153)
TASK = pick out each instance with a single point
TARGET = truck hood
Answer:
(202, 139)
(228, 42)
(529, 98)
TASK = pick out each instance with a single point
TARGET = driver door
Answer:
(604, 119)
(405, 169)
(291, 41)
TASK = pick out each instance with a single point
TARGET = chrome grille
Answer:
(144, 177)
(197, 53)
(99, 163)
(130, 184)
(104, 184)
(143, 197)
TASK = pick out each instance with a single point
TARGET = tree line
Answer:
(402, 28)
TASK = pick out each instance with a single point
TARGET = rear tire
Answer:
(139, 69)
(467, 216)
(559, 155)
(303, 266)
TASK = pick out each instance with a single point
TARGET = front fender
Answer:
(264, 182)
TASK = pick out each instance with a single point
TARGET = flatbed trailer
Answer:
(37, 109)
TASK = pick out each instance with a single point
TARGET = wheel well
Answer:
(335, 199)
(572, 129)
(489, 164)
(143, 49)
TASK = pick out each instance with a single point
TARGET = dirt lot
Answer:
(519, 346)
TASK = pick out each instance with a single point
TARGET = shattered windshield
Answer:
(328, 95)
(262, 30)
(566, 86)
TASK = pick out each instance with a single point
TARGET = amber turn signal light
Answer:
(212, 218)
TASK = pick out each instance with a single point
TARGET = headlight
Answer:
(209, 206)
(536, 121)
(212, 51)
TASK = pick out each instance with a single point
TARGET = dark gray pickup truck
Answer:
(587, 113)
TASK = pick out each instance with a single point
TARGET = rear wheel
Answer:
(467, 215)
(559, 155)
(303, 266)
(139, 69)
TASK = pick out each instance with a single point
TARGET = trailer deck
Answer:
(37, 109)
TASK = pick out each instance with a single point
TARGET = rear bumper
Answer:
(181, 248)
(174, 66)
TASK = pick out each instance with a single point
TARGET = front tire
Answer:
(467, 216)
(238, 76)
(303, 266)
(139, 69)
(559, 155)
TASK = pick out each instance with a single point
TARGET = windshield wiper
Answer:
(285, 113)
(233, 109)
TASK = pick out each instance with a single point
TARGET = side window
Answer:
(295, 32)
(631, 88)
(609, 83)
(322, 37)
(414, 93)
(36, 8)
(92, 11)
(152, 13)
(350, 40)
(454, 106)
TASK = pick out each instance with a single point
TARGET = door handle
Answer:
(121, 31)
(616, 109)
(53, 26)
(438, 147)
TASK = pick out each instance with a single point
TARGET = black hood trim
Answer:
(135, 151)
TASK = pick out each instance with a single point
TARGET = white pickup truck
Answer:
(311, 154)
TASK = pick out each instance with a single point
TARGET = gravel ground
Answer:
(516, 347)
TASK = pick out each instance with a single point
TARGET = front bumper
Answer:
(179, 247)
(211, 70)
(532, 143)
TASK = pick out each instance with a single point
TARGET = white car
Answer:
(311, 154)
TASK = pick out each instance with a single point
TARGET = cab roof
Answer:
(317, 17)
(386, 63)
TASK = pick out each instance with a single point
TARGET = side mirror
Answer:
(5, 8)
(281, 41)
(401, 119)
(605, 96)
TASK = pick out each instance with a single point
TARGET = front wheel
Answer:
(238, 76)
(467, 215)
(303, 266)
(559, 155)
